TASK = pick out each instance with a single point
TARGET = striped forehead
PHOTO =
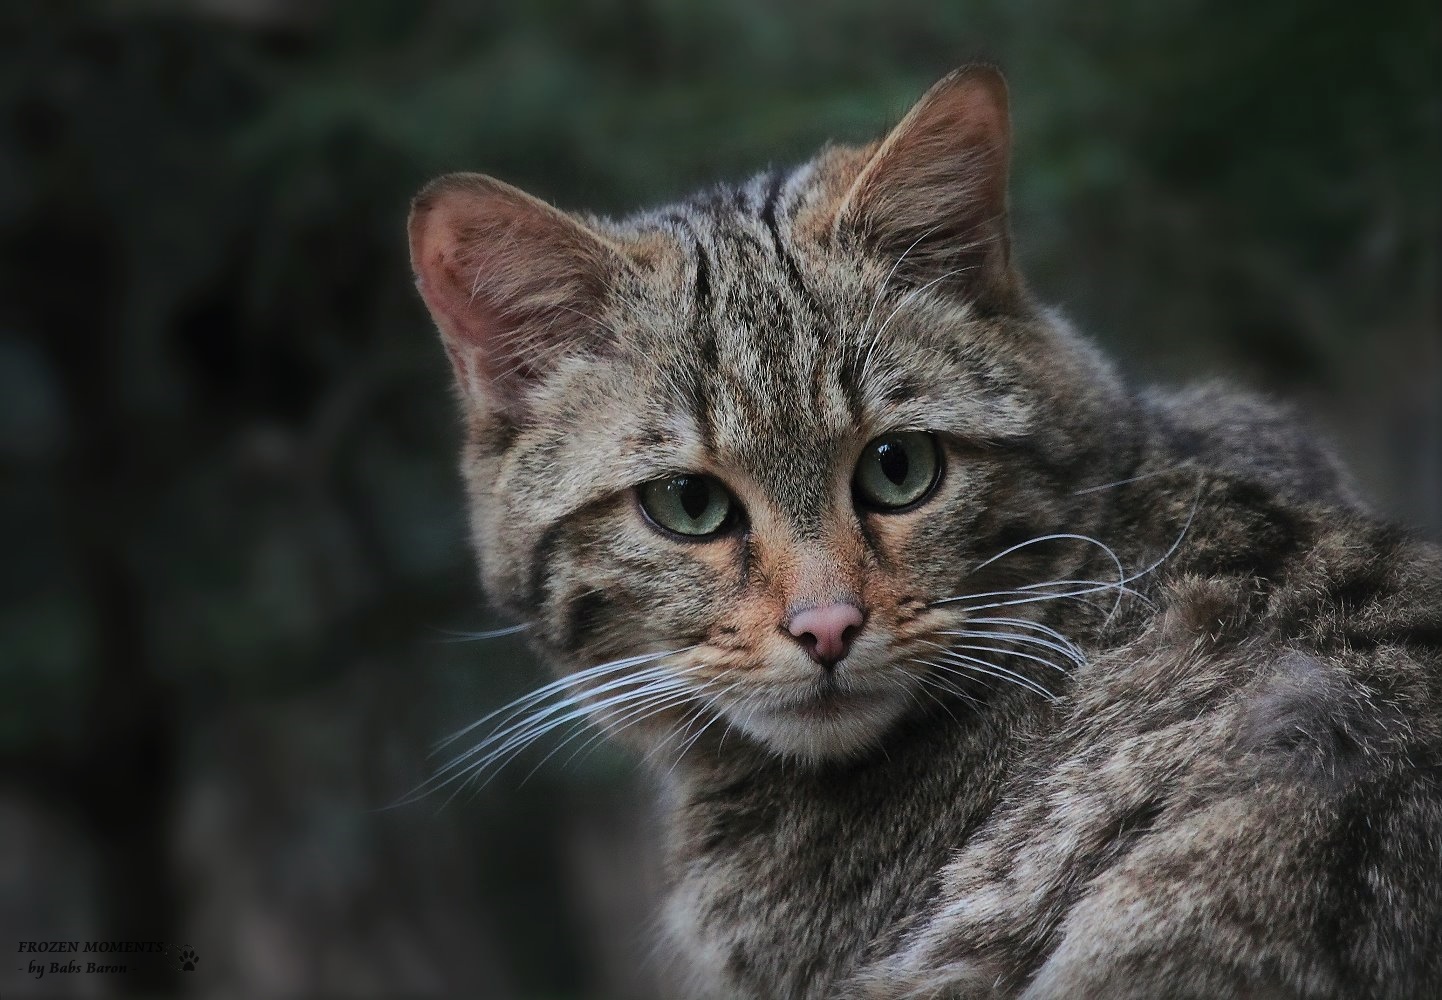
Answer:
(768, 387)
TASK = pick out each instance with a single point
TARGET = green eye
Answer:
(897, 469)
(694, 506)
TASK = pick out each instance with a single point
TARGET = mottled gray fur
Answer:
(1220, 779)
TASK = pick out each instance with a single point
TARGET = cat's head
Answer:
(768, 428)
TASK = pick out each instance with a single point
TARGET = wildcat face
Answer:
(745, 444)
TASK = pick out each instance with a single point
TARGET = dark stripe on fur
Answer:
(768, 219)
(702, 329)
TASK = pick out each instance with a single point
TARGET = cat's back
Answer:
(1255, 777)
(1247, 435)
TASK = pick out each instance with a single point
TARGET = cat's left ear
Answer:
(932, 198)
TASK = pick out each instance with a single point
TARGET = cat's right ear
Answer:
(932, 197)
(513, 284)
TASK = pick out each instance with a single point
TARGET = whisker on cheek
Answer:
(1001, 650)
(583, 712)
(1029, 594)
(556, 686)
(962, 663)
(679, 730)
(634, 714)
(931, 684)
(1025, 623)
(526, 722)
(1121, 585)
(716, 716)
(943, 669)
(495, 633)
(534, 716)
(1068, 652)
(698, 693)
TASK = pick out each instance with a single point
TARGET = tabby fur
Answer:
(1235, 790)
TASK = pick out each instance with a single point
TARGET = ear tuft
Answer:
(933, 197)
(512, 283)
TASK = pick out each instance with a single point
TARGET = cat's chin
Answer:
(825, 728)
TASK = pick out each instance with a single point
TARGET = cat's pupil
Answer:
(893, 461)
(693, 496)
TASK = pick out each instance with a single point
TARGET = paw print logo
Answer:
(188, 958)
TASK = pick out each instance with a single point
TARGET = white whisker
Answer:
(481, 772)
(529, 718)
(649, 708)
(686, 747)
(1004, 652)
(533, 731)
(881, 294)
(1029, 624)
(1128, 481)
(905, 301)
(931, 684)
(1073, 655)
(995, 670)
(1033, 598)
(697, 692)
(681, 728)
(546, 690)
(495, 633)
(633, 716)
(710, 702)
(1030, 590)
(932, 664)
(1065, 536)
(518, 722)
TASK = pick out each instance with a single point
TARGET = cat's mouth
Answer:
(828, 700)
(827, 720)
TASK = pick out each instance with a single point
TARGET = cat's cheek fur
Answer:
(643, 587)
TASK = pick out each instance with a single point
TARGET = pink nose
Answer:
(826, 633)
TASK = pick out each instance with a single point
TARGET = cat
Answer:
(969, 670)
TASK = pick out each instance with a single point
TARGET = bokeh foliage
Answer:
(232, 534)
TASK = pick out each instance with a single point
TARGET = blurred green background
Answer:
(232, 533)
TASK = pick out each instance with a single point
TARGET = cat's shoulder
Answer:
(1250, 435)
